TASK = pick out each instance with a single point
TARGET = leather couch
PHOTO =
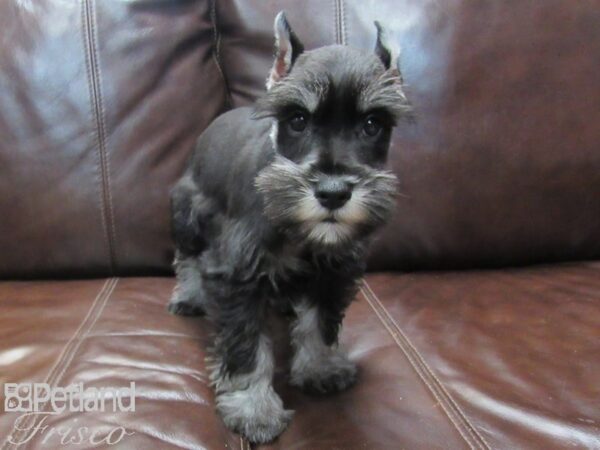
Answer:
(478, 325)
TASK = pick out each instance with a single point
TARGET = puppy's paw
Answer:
(325, 376)
(260, 429)
(185, 306)
(257, 414)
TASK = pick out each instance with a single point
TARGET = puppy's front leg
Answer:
(243, 372)
(318, 365)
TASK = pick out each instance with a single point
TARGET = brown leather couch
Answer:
(471, 331)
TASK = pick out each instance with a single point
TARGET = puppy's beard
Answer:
(323, 226)
(363, 212)
(329, 233)
(290, 203)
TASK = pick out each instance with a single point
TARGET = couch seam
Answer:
(428, 368)
(94, 76)
(418, 372)
(339, 22)
(102, 117)
(67, 352)
(454, 413)
(336, 27)
(216, 53)
(343, 37)
(96, 316)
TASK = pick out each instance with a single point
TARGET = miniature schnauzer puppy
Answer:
(276, 210)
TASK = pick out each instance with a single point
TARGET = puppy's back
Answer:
(228, 156)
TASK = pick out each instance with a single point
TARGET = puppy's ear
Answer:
(287, 49)
(387, 49)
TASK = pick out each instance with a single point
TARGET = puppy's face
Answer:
(333, 110)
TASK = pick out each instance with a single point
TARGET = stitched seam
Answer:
(67, 363)
(343, 22)
(417, 370)
(95, 91)
(336, 27)
(103, 134)
(423, 376)
(452, 410)
(428, 369)
(90, 87)
(67, 350)
(217, 52)
(96, 316)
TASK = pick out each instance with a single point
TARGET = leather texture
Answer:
(497, 359)
(100, 105)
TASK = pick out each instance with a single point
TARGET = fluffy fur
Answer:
(276, 209)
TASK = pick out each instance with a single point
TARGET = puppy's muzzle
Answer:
(333, 192)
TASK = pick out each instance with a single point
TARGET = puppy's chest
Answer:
(287, 263)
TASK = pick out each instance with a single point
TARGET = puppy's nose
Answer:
(333, 193)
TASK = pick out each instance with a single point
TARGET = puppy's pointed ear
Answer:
(287, 49)
(387, 49)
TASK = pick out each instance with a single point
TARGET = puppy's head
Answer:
(333, 110)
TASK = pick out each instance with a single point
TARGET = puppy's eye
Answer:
(298, 122)
(372, 126)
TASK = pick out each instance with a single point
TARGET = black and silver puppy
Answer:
(276, 210)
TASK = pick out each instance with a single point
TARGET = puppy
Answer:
(276, 209)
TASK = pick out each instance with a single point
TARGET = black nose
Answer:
(333, 193)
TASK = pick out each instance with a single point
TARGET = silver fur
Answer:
(315, 366)
(187, 298)
(247, 402)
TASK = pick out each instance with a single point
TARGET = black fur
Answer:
(248, 230)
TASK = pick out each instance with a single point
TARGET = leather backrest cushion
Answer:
(100, 104)
(503, 163)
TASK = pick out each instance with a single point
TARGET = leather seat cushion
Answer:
(488, 359)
